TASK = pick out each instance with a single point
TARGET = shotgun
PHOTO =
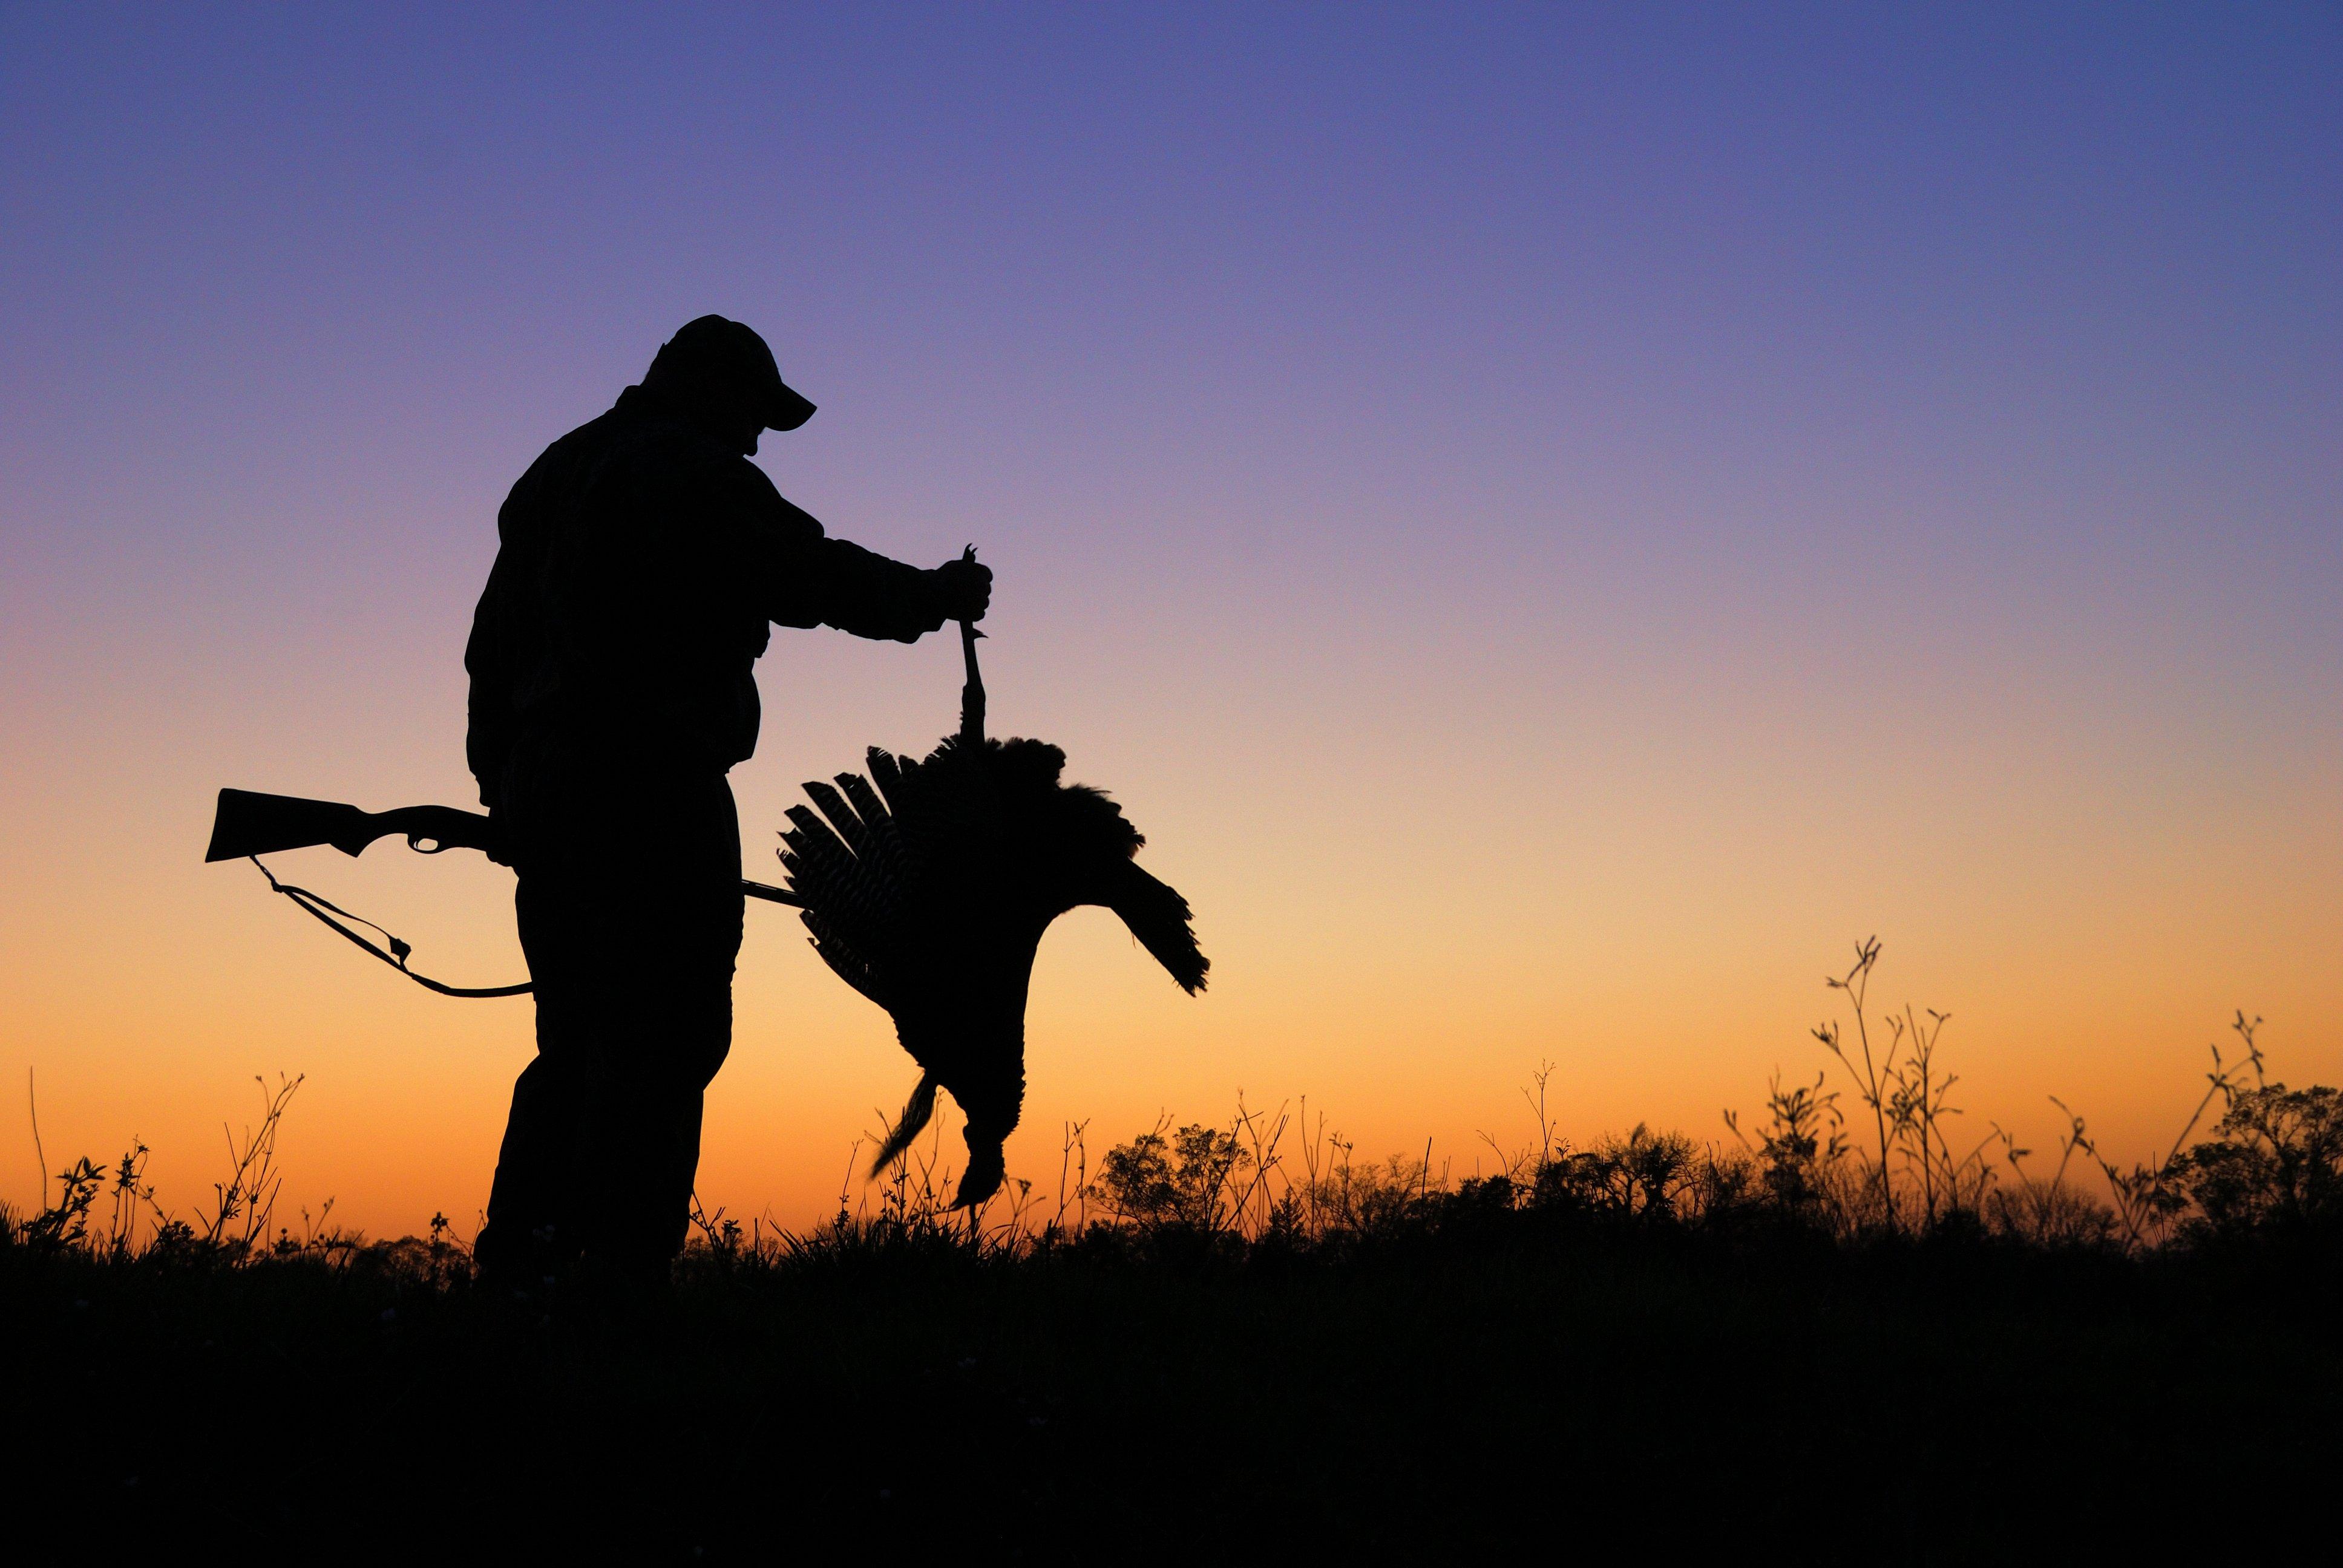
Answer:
(250, 823)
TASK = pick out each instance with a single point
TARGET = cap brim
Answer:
(789, 410)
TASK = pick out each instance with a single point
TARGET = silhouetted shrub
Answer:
(1645, 1176)
(1180, 1178)
(2273, 1165)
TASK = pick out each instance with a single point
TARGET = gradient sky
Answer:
(1555, 521)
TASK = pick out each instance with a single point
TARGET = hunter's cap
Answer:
(714, 356)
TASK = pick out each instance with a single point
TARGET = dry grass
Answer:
(1288, 1180)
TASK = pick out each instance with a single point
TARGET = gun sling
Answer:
(249, 825)
(325, 909)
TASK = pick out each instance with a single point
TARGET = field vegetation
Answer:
(1857, 1322)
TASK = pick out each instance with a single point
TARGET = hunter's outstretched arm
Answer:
(812, 580)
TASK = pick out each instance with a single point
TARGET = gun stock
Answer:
(250, 823)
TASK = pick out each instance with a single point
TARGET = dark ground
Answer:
(1431, 1397)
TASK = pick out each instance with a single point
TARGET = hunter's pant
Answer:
(629, 907)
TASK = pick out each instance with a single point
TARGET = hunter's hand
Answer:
(966, 588)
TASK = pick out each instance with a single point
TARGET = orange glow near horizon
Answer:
(1399, 940)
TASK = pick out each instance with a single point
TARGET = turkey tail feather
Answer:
(1158, 916)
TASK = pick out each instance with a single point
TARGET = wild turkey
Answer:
(929, 888)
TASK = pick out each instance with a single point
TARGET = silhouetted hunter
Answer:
(643, 562)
